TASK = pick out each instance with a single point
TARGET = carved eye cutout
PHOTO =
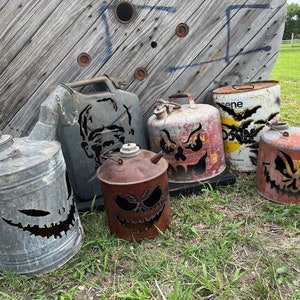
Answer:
(284, 164)
(197, 145)
(154, 198)
(126, 203)
(165, 147)
(34, 212)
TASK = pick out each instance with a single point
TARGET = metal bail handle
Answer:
(183, 95)
(243, 87)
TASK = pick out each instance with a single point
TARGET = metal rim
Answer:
(124, 12)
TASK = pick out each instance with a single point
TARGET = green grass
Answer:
(225, 243)
(286, 71)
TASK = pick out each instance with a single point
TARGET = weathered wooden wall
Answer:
(228, 41)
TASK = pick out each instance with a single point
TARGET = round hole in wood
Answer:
(124, 12)
(153, 45)
(140, 73)
(182, 30)
(84, 59)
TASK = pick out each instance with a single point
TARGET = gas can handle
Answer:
(103, 79)
(243, 87)
(184, 95)
(112, 83)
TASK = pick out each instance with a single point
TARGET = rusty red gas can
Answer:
(135, 191)
(278, 168)
(191, 136)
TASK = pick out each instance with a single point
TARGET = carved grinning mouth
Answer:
(141, 225)
(55, 230)
(185, 171)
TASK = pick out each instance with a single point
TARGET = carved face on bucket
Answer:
(138, 214)
(186, 158)
(43, 223)
(285, 177)
(98, 135)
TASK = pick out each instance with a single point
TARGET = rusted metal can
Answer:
(245, 109)
(135, 190)
(39, 225)
(278, 168)
(191, 137)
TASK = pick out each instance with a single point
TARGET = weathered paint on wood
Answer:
(228, 42)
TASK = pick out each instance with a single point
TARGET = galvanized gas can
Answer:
(103, 117)
(39, 224)
(278, 168)
(245, 109)
(136, 195)
(191, 137)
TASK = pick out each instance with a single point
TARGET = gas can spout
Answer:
(155, 159)
(45, 128)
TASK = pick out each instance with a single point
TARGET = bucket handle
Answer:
(243, 87)
(183, 95)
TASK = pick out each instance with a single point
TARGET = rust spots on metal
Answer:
(140, 73)
(124, 12)
(182, 30)
(84, 59)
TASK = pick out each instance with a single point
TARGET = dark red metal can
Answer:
(135, 192)
(191, 136)
(278, 168)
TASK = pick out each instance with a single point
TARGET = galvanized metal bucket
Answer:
(103, 117)
(39, 225)
(245, 109)
(278, 169)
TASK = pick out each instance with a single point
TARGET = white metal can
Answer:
(245, 109)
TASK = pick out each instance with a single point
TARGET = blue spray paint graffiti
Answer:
(171, 9)
(177, 68)
(108, 42)
(228, 57)
(228, 15)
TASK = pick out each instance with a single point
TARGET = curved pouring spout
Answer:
(45, 128)
(155, 159)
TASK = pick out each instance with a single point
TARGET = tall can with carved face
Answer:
(278, 168)
(95, 115)
(136, 195)
(245, 109)
(191, 137)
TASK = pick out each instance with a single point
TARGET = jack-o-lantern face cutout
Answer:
(99, 135)
(138, 214)
(186, 158)
(286, 176)
(40, 227)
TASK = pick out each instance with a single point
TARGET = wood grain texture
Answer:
(228, 42)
